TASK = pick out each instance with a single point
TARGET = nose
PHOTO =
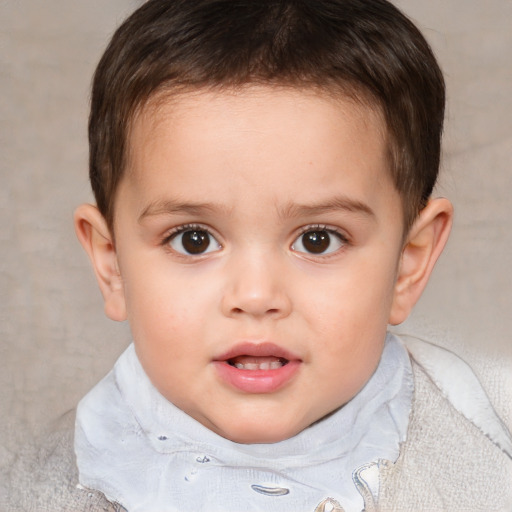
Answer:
(256, 286)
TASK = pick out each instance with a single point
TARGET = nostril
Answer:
(238, 302)
(271, 311)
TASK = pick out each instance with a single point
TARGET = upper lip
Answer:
(263, 349)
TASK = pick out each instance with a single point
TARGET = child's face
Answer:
(258, 229)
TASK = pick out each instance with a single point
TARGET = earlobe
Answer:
(425, 242)
(95, 237)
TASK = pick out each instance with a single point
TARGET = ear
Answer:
(425, 242)
(95, 237)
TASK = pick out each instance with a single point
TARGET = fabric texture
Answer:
(44, 476)
(446, 464)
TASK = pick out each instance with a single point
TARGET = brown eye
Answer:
(318, 241)
(194, 242)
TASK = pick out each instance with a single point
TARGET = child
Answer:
(263, 173)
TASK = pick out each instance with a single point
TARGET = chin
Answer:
(266, 433)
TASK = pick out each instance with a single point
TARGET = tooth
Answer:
(264, 365)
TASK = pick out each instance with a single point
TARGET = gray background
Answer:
(56, 342)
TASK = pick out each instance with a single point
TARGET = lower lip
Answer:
(257, 381)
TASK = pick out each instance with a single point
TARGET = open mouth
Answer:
(245, 362)
(257, 367)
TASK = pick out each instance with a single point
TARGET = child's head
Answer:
(261, 165)
(363, 49)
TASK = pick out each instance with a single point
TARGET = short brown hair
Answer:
(366, 48)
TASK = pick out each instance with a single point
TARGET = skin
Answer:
(252, 171)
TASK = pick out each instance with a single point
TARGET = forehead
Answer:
(290, 107)
(219, 101)
(256, 134)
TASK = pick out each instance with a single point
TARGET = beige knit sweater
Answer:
(447, 464)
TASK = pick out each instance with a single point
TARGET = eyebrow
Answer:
(331, 205)
(170, 207)
(291, 210)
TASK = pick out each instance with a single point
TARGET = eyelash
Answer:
(182, 229)
(324, 227)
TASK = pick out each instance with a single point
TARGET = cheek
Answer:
(167, 307)
(350, 311)
(357, 291)
(373, 281)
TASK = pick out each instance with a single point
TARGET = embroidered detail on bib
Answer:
(329, 505)
(270, 491)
